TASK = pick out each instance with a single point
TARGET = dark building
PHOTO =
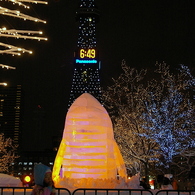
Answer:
(25, 164)
(86, 76)
(11, 112)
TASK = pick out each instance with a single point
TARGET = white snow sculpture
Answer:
(9, 181)
(88, 150)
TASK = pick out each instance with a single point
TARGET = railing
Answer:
(64, 191)
(28, 191)
(83, 191)
(96, 191)
(175, 192)
(14, 190)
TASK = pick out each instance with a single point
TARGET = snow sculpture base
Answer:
(88, 155)
(73, 184)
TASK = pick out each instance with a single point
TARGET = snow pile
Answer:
(134, 182)
(73, 184)
(9, 181)
(121, 183)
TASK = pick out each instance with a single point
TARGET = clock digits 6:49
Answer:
(90, 53)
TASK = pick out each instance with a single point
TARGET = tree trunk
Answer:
(146, 171)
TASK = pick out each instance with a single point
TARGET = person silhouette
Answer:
(43, 181)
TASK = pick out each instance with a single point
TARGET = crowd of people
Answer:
(162, 183)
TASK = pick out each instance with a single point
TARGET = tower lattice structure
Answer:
(86, 76)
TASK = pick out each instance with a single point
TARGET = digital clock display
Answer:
(88, 53)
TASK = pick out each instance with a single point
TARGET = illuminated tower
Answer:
(86, 77)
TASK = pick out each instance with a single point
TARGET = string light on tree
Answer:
(13, 50)
(6, 66)
(4, 84)
(18, 14)
(21, 2)
(19, 34)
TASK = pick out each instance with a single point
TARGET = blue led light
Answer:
(78, 61)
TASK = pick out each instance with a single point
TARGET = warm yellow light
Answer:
(18, 34)
(27, 179)
(4, 84)
(88, 149)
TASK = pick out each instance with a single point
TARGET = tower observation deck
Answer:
(86, 76)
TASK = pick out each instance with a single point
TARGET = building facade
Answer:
(86, 76)
(11, 112)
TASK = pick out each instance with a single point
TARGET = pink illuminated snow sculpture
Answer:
(88, 149)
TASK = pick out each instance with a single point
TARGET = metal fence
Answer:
(175, 192)
(14, 190)
(83, 191)
(96, 191)
(28, 191)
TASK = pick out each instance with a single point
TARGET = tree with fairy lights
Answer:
(18, 33)
(124, 101)
(7, 154)
(169, 117)
(183, 164)
(152, 118)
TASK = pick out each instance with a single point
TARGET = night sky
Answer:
(139, 31)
